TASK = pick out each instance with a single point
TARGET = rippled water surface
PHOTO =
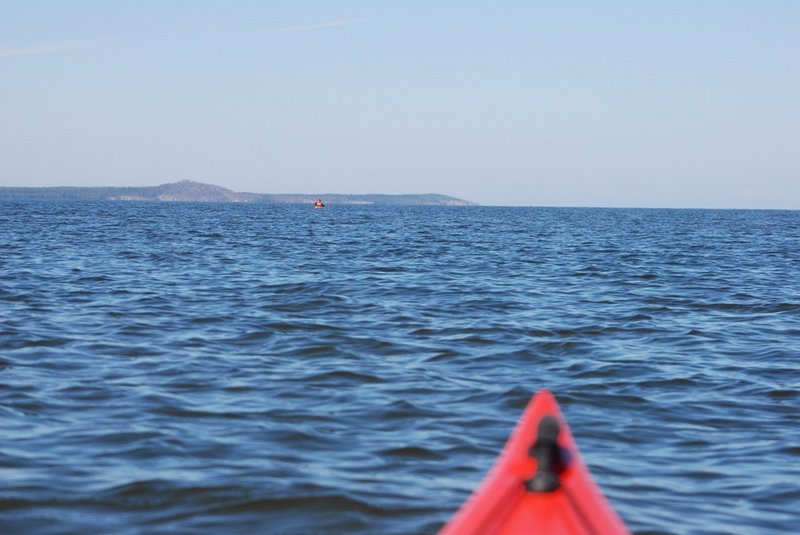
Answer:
(190, 368)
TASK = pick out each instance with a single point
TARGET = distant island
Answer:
(191, 191)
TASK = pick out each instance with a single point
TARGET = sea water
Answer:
(242, 368)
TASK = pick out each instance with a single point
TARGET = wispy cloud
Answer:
(34, 50)
(319, 26)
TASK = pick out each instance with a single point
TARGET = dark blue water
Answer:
(194, 368)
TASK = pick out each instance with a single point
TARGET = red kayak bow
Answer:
(539, 484)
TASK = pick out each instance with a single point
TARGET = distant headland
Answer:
(191, 191)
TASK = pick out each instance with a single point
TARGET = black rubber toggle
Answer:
(548, 457)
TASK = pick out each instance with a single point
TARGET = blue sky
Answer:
(677, 103)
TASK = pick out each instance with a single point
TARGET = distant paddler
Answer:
(319, 204)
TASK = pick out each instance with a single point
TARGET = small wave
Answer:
(412, 453)
(94, 278)
(343, 377)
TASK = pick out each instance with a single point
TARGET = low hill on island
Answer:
(190, 191)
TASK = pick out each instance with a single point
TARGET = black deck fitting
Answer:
(548, 457)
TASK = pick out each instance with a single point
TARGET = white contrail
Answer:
(58, 47)
(33, 50)
(318, 26)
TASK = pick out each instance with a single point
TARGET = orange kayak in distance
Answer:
(538, 485)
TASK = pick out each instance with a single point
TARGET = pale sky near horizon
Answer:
(683, 103)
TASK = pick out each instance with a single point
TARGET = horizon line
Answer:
(472, 203)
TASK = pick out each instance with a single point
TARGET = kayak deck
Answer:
(504, 505)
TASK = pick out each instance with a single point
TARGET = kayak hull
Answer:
(503, 505)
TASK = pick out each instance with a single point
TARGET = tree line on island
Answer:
(191, 191)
